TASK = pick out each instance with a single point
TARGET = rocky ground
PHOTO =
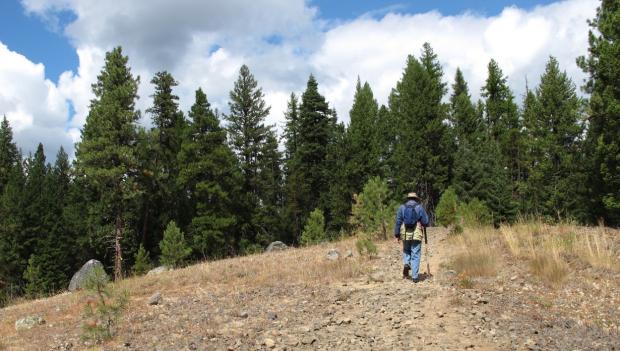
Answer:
(369, 308)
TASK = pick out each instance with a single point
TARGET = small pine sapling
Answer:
(142, 262)
(314, 230)
(103, 307)
(174, 249)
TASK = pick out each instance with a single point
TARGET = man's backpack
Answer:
(410, 215)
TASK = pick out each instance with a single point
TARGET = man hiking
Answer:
(413, 216)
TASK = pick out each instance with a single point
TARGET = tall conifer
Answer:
(248, 135)
(554, 134)
(362, 137)
(419, 115)
(211, 178)
(105, 156)
(603, 140)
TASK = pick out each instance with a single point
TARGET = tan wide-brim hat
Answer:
(413, 195)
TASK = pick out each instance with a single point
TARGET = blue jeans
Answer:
(411, 256)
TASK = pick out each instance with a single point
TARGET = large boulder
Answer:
(28, 322)
(158, 270)
(276, 246)
(79, 278)
(333, 255)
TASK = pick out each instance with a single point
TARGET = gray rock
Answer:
(155, 299)
(28, 322)
(276, 246)
(451, 273)
(79, 278)
(333, 255)
(348, 254)
(158, 270)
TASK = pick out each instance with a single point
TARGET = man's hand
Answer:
(397, 239)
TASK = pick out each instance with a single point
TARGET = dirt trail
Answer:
(388, 312)
(380, 311)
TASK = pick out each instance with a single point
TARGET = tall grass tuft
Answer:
(597, 250)
(550, 249)
(549, 267)
(476, 256)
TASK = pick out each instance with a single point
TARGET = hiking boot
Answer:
(406, 269)
(415, 280)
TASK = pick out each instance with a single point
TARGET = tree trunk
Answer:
(118, 251)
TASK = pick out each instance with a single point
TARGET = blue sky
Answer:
(44, 42)
(51, 51)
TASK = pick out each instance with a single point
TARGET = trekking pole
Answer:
(428, 266)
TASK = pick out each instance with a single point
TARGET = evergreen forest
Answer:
(202, 184)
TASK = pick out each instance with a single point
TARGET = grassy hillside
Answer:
(529, 286)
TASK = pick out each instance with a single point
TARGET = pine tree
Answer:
(463, 115)
(502, 119)
(8, 153)
(248, 135)
(478, 173)
(211, 178)
(33, 278)
(373, 213)
(51, 256)
(142, 261)
(150, 200)
(314, 229)
(105, 156)
(174, 249)
(385, 139)
(419, 115)
(269, 213)
(308, 172)
(163, 202)
(12, 262)
(446, 211)
(59, 246)
(11, 186)
(336, 203)
(603, 139)
(291, 128)
(530, 203)
(35, 203)
(362, 137)
(554, 134)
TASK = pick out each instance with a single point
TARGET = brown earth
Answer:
(298, 299)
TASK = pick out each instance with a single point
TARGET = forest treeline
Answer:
(224, 185)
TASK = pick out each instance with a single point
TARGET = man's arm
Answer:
(423, 216)
(399, 222)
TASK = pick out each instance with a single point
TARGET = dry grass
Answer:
(550, 249)
(294, 266)
(597, 250)
(303, 266)
(476, 255)
(549, 267)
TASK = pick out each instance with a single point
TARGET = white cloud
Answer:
(282, 41)
(34, 106)
(521, 41)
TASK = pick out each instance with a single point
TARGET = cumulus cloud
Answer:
(34, 106)
(521, 41)
(203, 44)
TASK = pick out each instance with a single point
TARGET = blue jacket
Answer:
(400, 215)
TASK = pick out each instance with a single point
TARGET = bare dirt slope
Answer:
(297, 299)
